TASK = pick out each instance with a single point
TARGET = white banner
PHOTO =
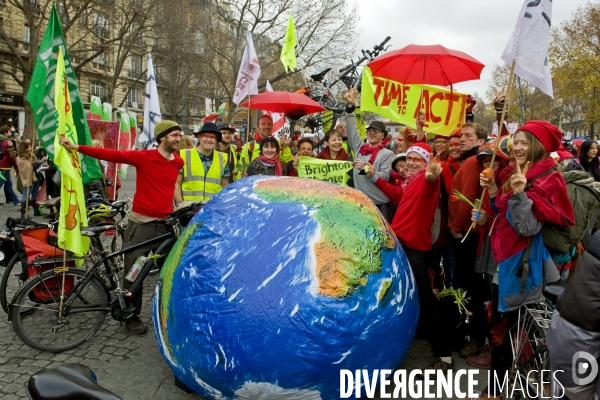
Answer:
(279, 119)
(247, 79)
(152, 114)
(529, 43)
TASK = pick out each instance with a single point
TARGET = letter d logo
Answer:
(583, 363)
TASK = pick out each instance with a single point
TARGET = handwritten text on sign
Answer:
(324, 170)
(444, 109)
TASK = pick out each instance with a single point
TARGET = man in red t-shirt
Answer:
(156, 172)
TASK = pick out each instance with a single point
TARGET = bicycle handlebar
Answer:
(369, 55)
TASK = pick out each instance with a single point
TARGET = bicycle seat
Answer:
(95, 230)
(119, 204)
(69, 381)
(51, 202)
(551, 292)
(319, 77)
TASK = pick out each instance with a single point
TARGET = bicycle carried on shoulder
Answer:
(60, 309)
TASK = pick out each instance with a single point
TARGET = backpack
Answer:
(586, 202)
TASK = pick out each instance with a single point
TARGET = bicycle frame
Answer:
(165, 238)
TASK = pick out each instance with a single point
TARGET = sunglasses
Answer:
(373, 130)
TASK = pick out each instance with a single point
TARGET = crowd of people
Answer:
(429, 193)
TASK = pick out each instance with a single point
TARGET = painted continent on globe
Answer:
(279, 283)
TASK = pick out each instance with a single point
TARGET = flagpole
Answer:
(511, 79)
(248, 123)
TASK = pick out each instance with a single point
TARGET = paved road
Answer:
(130, 366)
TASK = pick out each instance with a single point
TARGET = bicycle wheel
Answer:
(531, 364)
(12, 280)
(81, 318)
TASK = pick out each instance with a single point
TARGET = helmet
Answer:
(99, 212)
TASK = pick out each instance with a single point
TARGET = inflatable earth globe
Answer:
(279, 283)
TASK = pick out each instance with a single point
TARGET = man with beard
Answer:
(156, 172)
(206, 171)
(226, 146)
(251, 150)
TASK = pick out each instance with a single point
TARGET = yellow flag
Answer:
(72, 205)
(288, 51)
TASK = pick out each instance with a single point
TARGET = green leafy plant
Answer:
(459, 196)
(460, 298)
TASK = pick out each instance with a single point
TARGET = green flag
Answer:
(288, 50)
(41, 96)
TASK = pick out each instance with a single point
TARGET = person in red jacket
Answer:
(9, 161)
(156, 172)
(420, 193)
(466, 182)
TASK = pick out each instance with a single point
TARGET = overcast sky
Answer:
(480, 28)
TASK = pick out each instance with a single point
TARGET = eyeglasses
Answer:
(440, 142)
(373, 130)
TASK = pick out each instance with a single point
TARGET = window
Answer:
(83, 50)
(100, 26)
(135, 65)
(101, 59)
(133, 97)
(97, 89)
(26, 33)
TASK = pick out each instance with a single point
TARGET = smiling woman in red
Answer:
(531, 193)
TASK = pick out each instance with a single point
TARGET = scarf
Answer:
(326, 155)
(272, 162)
(469, 153)
(258, 138)
(410, 179)
(365, 149)
(551, 204)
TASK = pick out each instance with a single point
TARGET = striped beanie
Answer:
(163, 128)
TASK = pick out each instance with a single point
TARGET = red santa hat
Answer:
(422, 149)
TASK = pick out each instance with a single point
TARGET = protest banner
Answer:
(444, 109)
(40, 96)
(107, 132)
(324, 170)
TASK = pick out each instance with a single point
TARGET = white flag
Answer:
(278, 118)
(247, 79)
(529, 42)
(209, 106)
(151, 109)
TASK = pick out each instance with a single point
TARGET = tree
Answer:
(322, 31)
(575, 54)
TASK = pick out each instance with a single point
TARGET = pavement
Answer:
(130, 366)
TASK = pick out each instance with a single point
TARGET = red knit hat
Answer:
(422, 149)
(456, 133)
(441, 137)
(548, 134)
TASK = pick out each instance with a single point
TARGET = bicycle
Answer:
(76, 301)
(530, 367)
(349, 77)
(15, 274)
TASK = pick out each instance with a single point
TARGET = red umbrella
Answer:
(433, 65)
(293, 105)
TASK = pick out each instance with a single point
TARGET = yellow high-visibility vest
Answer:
(199, 184)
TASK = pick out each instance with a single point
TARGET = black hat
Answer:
(269, 139)
(399, 157)
(227, 127)
(483, 153)
(209, 127)
(380, 126)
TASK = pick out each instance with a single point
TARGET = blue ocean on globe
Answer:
(276, 285)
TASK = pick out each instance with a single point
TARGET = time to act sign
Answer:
(444, 109)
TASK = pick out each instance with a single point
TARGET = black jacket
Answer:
(580, 302)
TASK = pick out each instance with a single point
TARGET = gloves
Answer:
(471, 102)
